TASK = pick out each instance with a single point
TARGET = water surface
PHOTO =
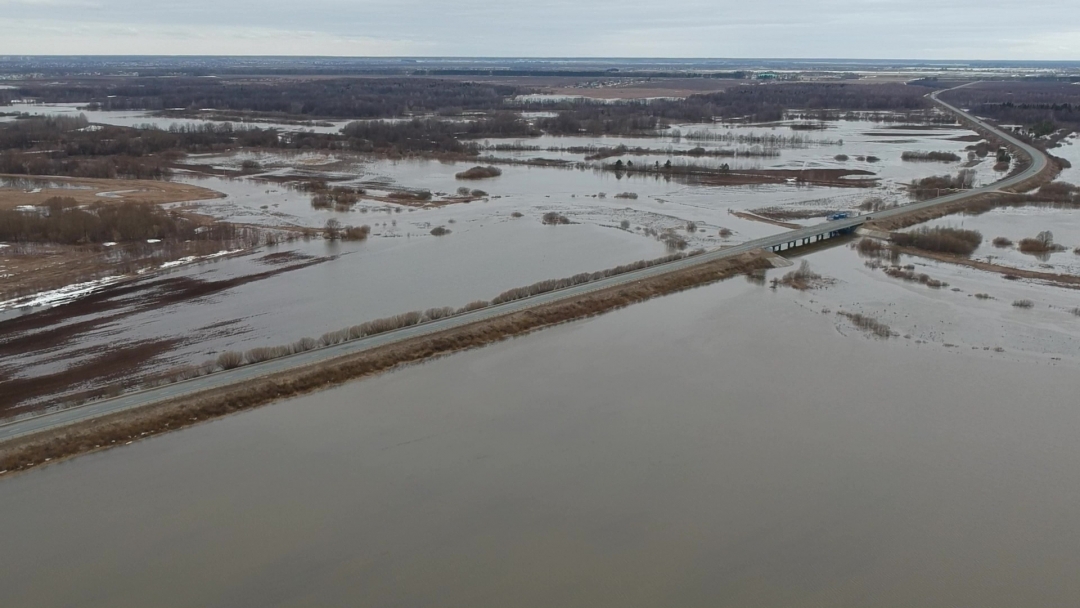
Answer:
(721, 447)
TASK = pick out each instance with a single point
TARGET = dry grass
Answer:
(1023, 304)
(124, 190)
(120, 428)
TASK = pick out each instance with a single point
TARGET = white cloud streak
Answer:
(913, 29)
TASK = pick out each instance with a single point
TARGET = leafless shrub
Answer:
(517, 214)
(627, 195)
(691, 227)
(355, 233)
(1002, 242)
(841, 158)
(230, 359)
(552, 218)
(1024, 304)
(673, 241)
(802, 279)
(725, 233)
(913, 277)
(940, 239)
(872, 248)
(1075, 311)
(479, 173)
(440, 231)
(333, 229)
(379, 326)
(1043, 243)
(930, 187)
(874, 204)
(948, 157)
(331, 338)
(478, 193)
(463, 191)
(260, 354)
(868, 324)
(519, 293)
(304, 344)
(433, 314)
(625, 224)
(471, 306)
(983, 296)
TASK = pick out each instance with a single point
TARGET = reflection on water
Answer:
(696, 450)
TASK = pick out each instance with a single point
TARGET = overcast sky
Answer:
(871, 29)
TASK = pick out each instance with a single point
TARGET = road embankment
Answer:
(125, 427)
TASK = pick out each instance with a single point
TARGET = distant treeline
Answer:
(343, 98)
(433, 135)
(755, 103)
(64, 145)
(1041, 107)
(608, 73)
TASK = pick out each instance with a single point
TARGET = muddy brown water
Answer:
(721, 447)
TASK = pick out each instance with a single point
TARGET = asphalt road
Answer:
(53, 420)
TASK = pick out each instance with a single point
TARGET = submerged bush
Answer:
(944, 240)
(930, 156)
(554, 219)
(1043, 243)
(479, 173)
(355, 233)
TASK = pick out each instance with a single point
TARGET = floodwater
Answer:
(694, 450)
(142, 118)
(1016, 223)
(354, 282)
(660, 203)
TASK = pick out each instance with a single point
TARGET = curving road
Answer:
(75, 415)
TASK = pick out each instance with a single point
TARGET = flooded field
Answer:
(1017, 223)
(143, 118)
(696, 450)
(277, 295)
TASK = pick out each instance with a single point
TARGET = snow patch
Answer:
(63, 295)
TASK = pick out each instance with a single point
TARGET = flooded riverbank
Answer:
(697, 449)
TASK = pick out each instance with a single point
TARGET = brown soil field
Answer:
(86, 191)
(122, 428)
